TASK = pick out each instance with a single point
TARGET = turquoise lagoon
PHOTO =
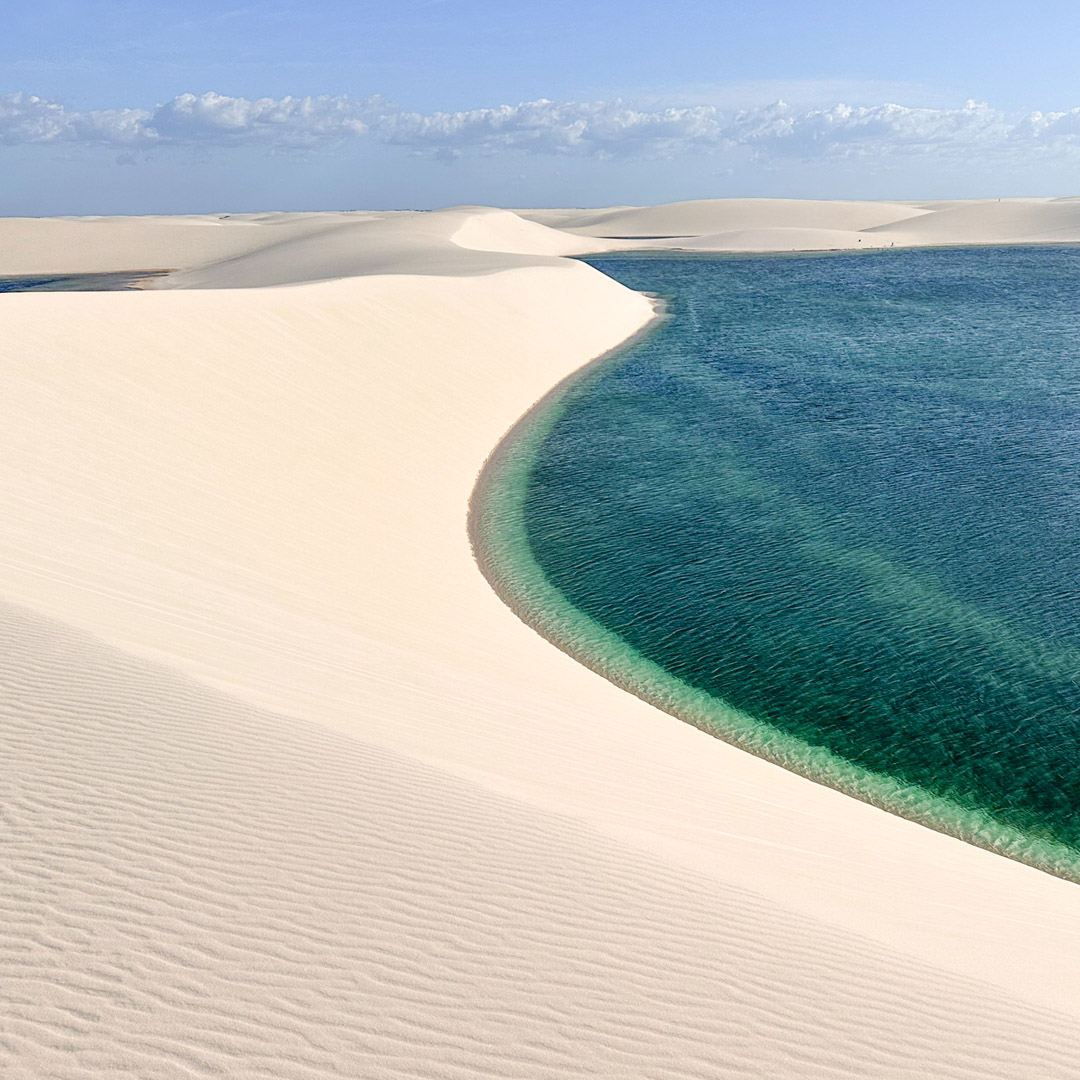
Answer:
(828, 510)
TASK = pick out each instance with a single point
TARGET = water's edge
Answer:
(504, 555)
(103, 281)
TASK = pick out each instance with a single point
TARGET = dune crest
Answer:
(811, 225)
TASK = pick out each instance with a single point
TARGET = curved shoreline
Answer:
(504, 555)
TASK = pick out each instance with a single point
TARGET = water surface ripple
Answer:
(828, 511)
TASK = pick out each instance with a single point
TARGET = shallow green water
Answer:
(830, 511)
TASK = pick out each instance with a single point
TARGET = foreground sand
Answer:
(290, 793)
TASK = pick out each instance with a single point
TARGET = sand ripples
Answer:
(193, 888)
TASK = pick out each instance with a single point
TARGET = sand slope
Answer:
(450, 242)
(990, 221)
(192, 887)
(722, 215)
(98, 245)
(323, 806)
(808, 225)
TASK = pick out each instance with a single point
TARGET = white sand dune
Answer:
(291, 793)
(990, 221)
(808, 225)
(702, 216)
(451, 242)
(200, 888)
(98, 245)
(779, 238)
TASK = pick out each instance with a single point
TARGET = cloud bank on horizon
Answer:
(602, 129)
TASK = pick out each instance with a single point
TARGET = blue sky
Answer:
(110, 107)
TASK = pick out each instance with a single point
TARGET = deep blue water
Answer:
(842, 494)
(107, 282)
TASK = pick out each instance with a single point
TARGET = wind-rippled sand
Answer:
(289, 792)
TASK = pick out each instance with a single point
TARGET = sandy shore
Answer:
(292, 793)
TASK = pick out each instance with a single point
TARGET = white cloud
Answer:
(26, 119)
(602, 129)
(974, 131)
(1053, 128)
(286, 122)
(880, 129)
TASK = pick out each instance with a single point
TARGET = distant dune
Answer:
(786, 224)
(290, 793)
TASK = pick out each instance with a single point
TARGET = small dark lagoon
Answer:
(107, 282)
(830, 510)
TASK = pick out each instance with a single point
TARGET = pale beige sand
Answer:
(808, 225)
(701, 216)
(387, 830)
(97, 245)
